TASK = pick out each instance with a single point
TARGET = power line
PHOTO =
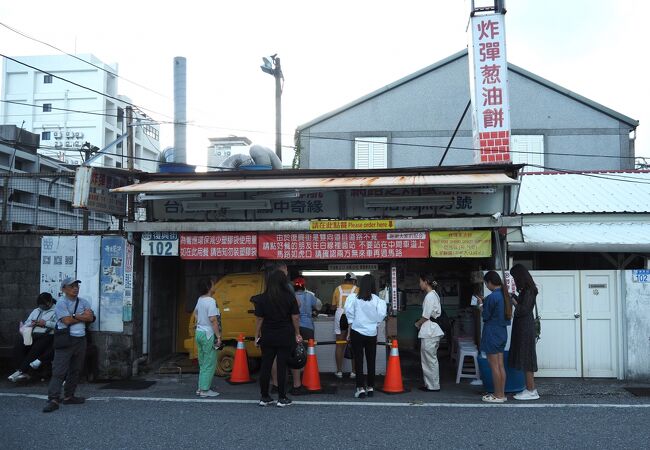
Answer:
(609, 177)
(82, 60)
(57, 109)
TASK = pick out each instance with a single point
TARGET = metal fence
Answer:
(43, 201)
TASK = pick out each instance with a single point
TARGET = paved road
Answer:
(138, 422)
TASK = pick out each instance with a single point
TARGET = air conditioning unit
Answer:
(69, 134)
(68, 143)
(77, 143)
(58, 144)
(78, 134)
(57, 135)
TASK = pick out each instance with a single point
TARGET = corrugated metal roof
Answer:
(581, 236)
(592, 192)
(278, 183)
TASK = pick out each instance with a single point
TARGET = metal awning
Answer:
(585, 237)
(277, 183)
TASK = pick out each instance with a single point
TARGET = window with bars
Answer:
(527, 149)
(46, 135)
(371, 153)
(47, 79)
(47, 107)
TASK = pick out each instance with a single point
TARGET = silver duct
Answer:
(180, 110)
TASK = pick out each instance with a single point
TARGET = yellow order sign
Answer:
(339, 225)
(461, 244)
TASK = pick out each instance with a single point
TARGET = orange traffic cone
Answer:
(311, 377)
(393, 380)
(240, 374)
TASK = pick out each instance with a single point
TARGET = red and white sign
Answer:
(218, 246)
(371, 245)
(489, 89)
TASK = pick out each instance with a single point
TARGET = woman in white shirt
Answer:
(365, 311)
(208, 337)
(430, 334)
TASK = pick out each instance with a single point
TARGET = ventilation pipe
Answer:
(180, 110)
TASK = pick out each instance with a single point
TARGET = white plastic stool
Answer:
(465, 351)
(456, 343)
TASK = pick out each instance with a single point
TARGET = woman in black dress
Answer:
(277, 331)
(522, 354)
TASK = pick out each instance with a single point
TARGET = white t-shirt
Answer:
(430, 307)
(206, 307)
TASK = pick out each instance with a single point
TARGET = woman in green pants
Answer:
(208, 337)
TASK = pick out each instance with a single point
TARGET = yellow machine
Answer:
(232, 294)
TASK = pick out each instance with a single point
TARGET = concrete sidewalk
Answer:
(183, 385)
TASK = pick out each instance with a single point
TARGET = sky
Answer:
(332, 52)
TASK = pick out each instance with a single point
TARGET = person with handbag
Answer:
(39, 329)
(277, 331)
(73, 313)
(496, 311)
(430, 334)
(364, 311)
(341, 322)
(523, 355)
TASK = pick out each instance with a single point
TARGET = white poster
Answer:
(58, 261)
(88, 261)
(111, 284)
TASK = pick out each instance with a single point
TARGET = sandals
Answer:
(489, 398)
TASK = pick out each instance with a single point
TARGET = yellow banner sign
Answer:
(338, 225)
(461, 244)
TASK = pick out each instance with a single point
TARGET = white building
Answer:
(67, 116)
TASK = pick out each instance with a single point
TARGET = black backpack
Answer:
(443, 321)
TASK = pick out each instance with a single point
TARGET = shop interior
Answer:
(458, 279)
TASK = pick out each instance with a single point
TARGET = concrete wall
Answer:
(19, 277)
(636, 323)
(425, 110)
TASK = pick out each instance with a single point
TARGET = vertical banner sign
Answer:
(488, 77)
(88, 262)
(111, 287)
(393, 288)
(58, 261)
(127, 311)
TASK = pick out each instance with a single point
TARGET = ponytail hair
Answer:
(493, 278)
(429, 280)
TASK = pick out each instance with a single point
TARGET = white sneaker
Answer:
(338, 374)
(14, 376)
(35, 364)
(489, 398)
(527, 395)
(198, 392)
(360, 393)
(23, 377)
(208, 393)
(353, 376)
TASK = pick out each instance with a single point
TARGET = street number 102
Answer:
(160, 248)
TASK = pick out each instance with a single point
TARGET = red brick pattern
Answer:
(495, 146)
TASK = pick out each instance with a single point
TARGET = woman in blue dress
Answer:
(496, 312)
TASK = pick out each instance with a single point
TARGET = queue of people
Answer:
(284, 319)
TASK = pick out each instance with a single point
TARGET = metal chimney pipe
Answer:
(180, 110)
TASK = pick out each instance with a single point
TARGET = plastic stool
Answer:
(458, 340)
(463, 352)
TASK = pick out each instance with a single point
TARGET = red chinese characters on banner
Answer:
(489, 92)
(362, 245)
(218, 246)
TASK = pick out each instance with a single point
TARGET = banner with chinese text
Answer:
(461, 244)
(331, 225)
(353, 245)
(488, 78)
(218, 246)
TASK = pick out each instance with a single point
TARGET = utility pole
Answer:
(278, 106)
(86, 213)
(129, 158)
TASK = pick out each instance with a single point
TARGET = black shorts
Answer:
(306, 333)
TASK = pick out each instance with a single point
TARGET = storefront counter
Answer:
(325, 337)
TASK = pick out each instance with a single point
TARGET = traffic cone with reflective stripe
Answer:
(240, 373)
(393, 380)
(310, 376)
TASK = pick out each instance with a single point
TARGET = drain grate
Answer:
(639, 391)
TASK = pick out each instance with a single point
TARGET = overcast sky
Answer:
(332, 52)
